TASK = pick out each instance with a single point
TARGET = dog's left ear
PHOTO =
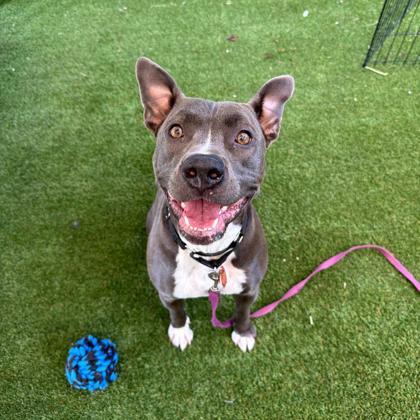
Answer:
(158, 92)
(269, 103)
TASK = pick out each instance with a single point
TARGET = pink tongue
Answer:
(201, 213)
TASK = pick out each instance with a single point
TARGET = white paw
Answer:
(244, 342)
(181, 337)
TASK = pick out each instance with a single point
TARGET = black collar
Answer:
(197, 255)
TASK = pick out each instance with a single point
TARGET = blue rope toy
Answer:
(91, 364)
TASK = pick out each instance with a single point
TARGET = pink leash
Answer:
(294, 290)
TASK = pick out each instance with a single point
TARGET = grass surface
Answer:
(76, 182)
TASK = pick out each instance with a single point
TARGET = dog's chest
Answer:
(192, 278)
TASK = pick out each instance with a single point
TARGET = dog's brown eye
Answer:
(176, 132)
(243, 138)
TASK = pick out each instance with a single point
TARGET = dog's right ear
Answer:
(158, 92)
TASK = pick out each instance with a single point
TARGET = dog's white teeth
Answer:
(224, 208)
(182, 205)
(198, 229)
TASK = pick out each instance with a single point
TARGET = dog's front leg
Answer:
(179, 330)
(244, 331)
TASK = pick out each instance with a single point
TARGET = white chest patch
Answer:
(192, 278)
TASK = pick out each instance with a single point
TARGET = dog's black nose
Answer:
(203, 171)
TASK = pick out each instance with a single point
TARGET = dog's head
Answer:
(209, 156)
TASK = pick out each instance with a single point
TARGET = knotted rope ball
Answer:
(91, 364)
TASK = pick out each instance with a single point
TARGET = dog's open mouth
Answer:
(203, 220)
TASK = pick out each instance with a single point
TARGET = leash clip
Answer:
(215, 276)
(218, 276)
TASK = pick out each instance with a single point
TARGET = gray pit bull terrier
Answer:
(203, 232)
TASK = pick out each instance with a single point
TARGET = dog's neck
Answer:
(230, 235)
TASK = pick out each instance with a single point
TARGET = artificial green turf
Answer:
(76, 182)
